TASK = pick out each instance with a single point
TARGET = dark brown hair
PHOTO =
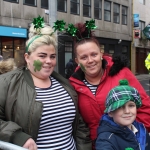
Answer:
(83, 35)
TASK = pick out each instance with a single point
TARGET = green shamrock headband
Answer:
(60, 26)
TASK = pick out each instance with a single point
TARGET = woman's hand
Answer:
(30, 144)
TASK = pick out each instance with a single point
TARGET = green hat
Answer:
(120, 95)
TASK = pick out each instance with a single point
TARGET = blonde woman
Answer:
(38, 107)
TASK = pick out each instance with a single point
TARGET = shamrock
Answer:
(71, 29)
(38, 22)
(59, 25)
(90, 24)
(129, 148)
(82, 67)
(37, 65)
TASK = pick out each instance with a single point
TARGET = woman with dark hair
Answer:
(96, 75)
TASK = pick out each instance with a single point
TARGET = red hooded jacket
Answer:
(92, 106)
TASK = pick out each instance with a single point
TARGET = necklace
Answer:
(97, 80)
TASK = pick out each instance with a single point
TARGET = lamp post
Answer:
(53, 17)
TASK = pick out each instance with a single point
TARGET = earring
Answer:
(101, 58)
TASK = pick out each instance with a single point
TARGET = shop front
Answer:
(12, 43)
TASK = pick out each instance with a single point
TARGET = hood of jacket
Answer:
(7, 65)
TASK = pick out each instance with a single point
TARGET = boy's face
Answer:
(125, 115)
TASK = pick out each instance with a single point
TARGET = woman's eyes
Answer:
(51, 57)
(42, 56)
(84, 57)
(92, 55)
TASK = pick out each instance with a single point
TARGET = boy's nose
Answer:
(126, 110)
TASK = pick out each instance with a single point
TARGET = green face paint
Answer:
(37, 65)
(82, 67)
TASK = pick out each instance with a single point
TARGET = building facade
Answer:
(113, 19)
(141, 45)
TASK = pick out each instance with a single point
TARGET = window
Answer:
(107, 11)
(87, 8)
(116, 13)
(124, 50)
(141, 25)
(124, 15)
(102, 48)
(12, 0)
(62, 5)
(68, 51)
(44, 4)
(111, 49)
(30, 2)
(19, 52)
(75, 7)
(142, 2)
(98, 9)
(7, 47)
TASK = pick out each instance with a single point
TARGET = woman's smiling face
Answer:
(46, 55)
(89, 55)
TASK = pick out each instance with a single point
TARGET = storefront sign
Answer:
(146, 31)
(136, 20)
(13, 32)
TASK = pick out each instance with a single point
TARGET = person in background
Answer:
(147, 62)
(118, 129)
(70, 67)
(7, 65)
(38, 107)
(96, 74)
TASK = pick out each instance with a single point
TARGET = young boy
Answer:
(118, 129)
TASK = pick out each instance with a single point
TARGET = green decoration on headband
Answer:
(37, 65)
(90, 25)
(82, 67)
(59, 25)
(72, 30)
(38, 22)
(129, 148)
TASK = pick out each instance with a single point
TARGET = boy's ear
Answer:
(110, 114)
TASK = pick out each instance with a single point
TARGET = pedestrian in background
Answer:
(147, 62)
(118, 129)
(70, 67)
(38, 107)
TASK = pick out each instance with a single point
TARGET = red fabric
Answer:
(92, 107)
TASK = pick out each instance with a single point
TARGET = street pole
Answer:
(52, 18)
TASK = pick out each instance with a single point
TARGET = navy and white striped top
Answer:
(55, 132)
(93, 88)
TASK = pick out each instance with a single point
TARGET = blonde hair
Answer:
(39, 37)
(7, 65)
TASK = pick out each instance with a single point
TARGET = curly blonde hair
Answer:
(44, 36)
